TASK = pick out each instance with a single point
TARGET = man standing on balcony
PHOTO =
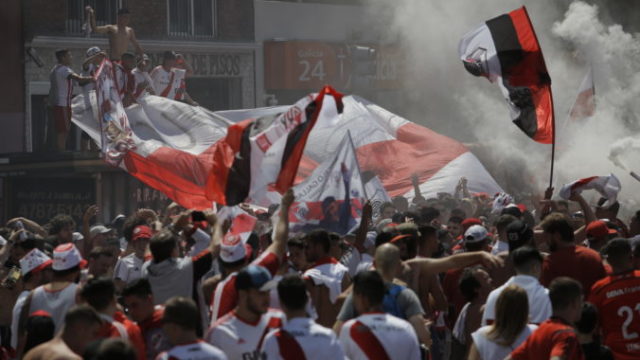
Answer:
(119, 34)
(169, 78)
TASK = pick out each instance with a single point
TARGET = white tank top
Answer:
(56, 303)
(490, 350)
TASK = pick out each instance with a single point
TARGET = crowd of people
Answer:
(132, 75)
(459, 276)
(464, 276)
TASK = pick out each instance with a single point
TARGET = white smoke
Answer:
(444, 97)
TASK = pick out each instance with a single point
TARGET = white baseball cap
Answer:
(67, 256)
(99, 229)
(34, 261)
(233, 249)
(475, 233)
(92, 51)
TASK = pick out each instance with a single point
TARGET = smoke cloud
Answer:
(574, 37)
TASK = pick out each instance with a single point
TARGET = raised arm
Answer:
(92, 21)
(134, 41)
(279, 245)
(361, 233)
(182, 63)
(216, 232)
(434, 266)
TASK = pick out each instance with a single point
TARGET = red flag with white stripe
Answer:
(585, 105)
(607, 186)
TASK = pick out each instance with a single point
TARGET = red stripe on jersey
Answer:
(368, 342)
(289, 348)
(274, 323)
(228, 298)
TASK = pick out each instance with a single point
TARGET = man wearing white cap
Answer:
(34, 266)
(58, 296)
(241, 332)
(143, 81)
(233, 258)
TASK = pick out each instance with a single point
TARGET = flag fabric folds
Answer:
(331, 197)
(607, 186)
(505, 50)
(585, 105)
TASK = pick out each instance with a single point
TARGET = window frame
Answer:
(192, 23)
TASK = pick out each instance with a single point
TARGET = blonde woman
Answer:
(509, 330)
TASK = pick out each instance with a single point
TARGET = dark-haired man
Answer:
(374, 334)
(61, 81)
(301, 337)
(567, 259)
(617, 298)
(179, 323)
(326, 278)
(119, 34)
(556, 339)
(138, 299)
(527, 262)
(81, 324)
(240, 333)
(100, 294)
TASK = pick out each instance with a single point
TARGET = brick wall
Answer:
(149, 18)
(44, 17)
(235, 20)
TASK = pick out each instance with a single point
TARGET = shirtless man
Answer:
(119, 34)
(80, 328)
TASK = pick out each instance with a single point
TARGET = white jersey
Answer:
(17, 309)
(168, 83)
(143, 83)
(199, 350)
(240, 339)
(128, 268)
(328, 272)
(489, 349)
(370, 335)
(538, 296)
(61, 86)
(56, 303)
(303, 339)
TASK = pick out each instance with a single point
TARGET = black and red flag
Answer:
(505, 50)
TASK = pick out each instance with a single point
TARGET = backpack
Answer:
(390, 301)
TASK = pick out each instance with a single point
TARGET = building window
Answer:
(106, 13)
(191, 18)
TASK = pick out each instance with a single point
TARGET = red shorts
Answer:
(62, 118)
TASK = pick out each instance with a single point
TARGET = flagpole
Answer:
(553, 137)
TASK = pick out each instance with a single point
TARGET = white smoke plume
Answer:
(573, 36)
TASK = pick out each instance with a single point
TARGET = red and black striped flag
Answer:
(505, 50)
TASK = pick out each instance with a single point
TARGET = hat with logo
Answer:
(475, 234)
(34, 261)
(255, 277)
(67, 256)
(141, 232)
(93, 51)
(233, 249)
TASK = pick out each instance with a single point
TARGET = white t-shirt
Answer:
(17, 309)
(142, 77)
(128, 268)
(328, 272)
(488, 349)
(302, 339)
(538, 296)
(499, 246)
(162, 79)
(61, 85)
(56, 303)
(199, 350)
(373, 333)
(240, 339)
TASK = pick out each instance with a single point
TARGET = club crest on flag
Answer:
(476, 63)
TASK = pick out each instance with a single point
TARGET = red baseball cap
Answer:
(141, 232)
(599, 228)
(468, 222)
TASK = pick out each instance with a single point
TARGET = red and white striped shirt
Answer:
(240, 339)
(198, 350)
(302, 339)
(379, 336)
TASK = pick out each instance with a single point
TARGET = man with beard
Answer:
(567, 259)
(241, 332)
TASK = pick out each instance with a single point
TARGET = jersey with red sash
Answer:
(198, 350)
(328, 272)
(379, 336)
(169, 84)
(240, 339)
(302, 339)
(617, 298)
(225, 295)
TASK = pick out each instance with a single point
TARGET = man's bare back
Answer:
(55, 349)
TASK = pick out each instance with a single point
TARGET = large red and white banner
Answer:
(175, 147)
